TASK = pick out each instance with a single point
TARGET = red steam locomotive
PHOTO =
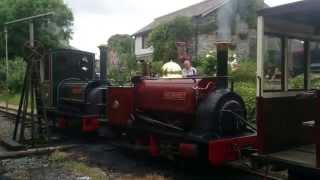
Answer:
(189, 117)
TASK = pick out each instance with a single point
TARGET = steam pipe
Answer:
(103, 62)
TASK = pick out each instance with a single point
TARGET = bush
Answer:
(245, 84)
(17, 69)
(246, 72)
(163, 38)
(206, 64)
(248, 92)
(122, 73)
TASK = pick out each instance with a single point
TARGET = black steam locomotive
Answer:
(76, 98)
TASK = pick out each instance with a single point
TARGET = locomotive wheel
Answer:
(228, 116)
(220, 113)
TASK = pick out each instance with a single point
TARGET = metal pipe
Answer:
(31, 33)
(7, 62)
(29, 18)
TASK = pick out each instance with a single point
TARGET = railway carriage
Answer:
(288, 101)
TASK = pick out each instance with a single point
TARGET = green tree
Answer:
(53, 32)
(127, 66)
(122, 43)
(17, 68)
(163, 38)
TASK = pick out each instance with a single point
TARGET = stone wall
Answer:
(244, 39)
(245, 45)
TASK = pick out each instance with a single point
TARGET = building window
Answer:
(145, 41)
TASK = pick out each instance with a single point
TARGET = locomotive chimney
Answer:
(222, 58)
(222, 62)
(103, 62)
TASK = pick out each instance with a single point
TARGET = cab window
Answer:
(273, 64)
(296, 64)
(315, 65)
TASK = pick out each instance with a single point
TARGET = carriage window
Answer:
(315, 65)
(273, 64)
(296, 64)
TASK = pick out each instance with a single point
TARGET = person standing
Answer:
(188, 70)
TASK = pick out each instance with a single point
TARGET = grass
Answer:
(77, 168)
(82, 169)
(11, 98)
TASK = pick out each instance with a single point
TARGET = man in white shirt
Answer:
(188, 70)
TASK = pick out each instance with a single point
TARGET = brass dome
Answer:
(171, 70)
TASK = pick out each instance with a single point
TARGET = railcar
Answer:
(288, 98)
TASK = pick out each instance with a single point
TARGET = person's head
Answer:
(187, 64)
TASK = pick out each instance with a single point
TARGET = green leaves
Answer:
(164, 37)
(17, 69)
(53, 32)
(206, 64)
(121, 73)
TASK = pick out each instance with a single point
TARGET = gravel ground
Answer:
(6, 129)
(100, 161)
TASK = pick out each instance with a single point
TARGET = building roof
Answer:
(201, 9)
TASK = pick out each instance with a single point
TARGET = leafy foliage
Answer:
(246, 72)
(121, 73)
(206, 64)
(53, 32)
(164, 37)
(122, 43)
(247, 90)
(16, 75)
(245, 84)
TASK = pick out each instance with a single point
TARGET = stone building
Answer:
(205, 17)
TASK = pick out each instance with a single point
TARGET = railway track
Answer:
(8, 113)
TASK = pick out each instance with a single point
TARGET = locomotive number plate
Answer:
(174, 96)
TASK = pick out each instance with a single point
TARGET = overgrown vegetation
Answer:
(53, 32)
(16, 75)
(125, 66)
(206, 64)
(76, 167)
(165, 36)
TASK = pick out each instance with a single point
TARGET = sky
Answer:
(97, 20)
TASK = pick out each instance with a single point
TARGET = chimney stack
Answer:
(103, 62)
(222, 62)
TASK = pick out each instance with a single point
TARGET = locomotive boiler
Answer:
(179, 115)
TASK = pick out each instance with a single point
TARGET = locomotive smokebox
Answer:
(222, 61)
(103, 62)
